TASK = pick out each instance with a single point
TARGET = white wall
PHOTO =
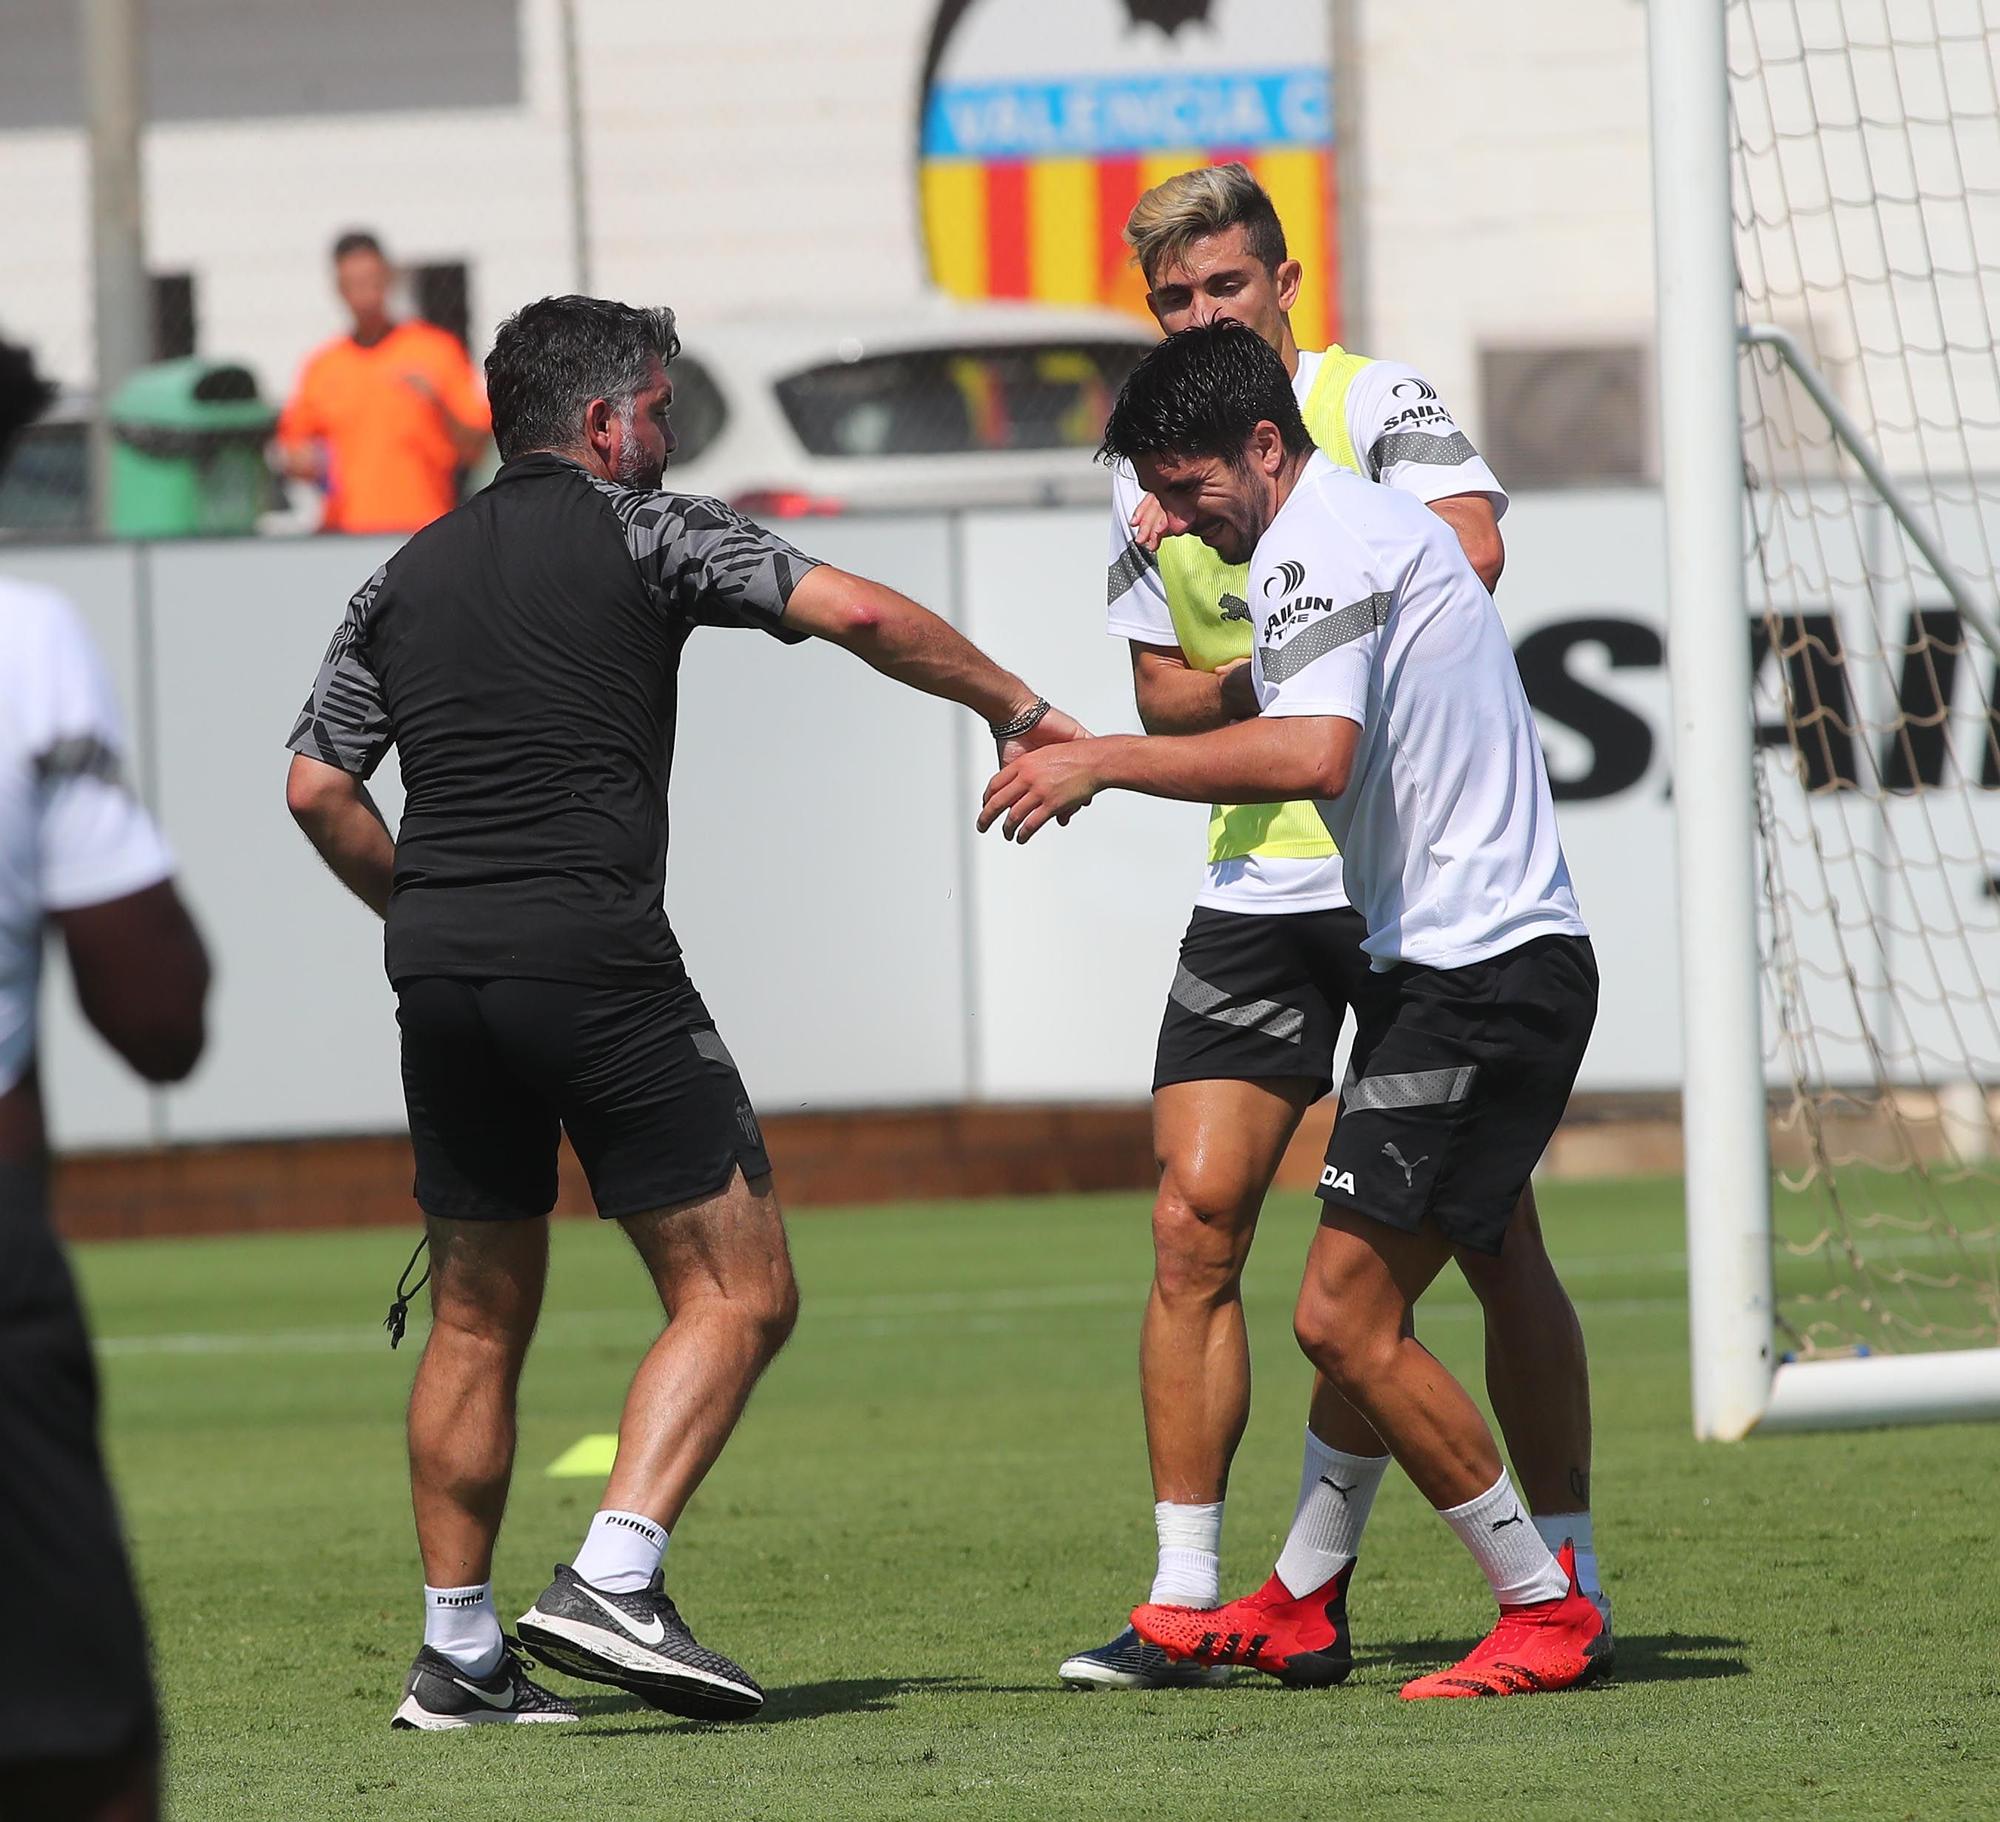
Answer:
(856, 942)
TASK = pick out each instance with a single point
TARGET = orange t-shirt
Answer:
(390, 463)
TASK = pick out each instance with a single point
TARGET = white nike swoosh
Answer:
(650, 1634)
(491, 1701)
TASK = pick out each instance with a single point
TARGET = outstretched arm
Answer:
(1274, 760)
(908, 642)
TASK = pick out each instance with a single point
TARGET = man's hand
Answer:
(1149, 523)
(1239, 689)
(1053, 783)
(1054, 729)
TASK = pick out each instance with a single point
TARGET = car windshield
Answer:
(953, 401)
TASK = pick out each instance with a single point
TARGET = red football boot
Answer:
(1300, 1641)
(1557, 1644)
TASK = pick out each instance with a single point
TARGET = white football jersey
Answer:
(1365, 608)
(72, 833)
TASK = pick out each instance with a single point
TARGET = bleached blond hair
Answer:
(1172, 216)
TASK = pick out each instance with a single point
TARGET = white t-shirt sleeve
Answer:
(1406, 437)
(1319, 621)
(94, 841)
(1135, 597)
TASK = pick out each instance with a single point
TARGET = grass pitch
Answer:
(941, 1490)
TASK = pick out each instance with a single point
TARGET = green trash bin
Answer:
(187, 451)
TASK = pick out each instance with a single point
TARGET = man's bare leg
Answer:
(486, 1292)
(1218, 1145)
(724, 1276)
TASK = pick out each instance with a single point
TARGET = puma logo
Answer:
(1501, 1524)
(1403, 1164)
(1327, 1480)
(1234, 607)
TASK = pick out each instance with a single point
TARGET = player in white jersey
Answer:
(1389, 696)
(78, 1737)
(1270, 962)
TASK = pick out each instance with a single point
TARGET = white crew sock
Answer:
(1190, 1570)
(460, 1624)
(621, 1552)
(1558, 1528)
(1336, 1491)
(1509, 1551)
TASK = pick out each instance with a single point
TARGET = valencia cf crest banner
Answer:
(1043, 120)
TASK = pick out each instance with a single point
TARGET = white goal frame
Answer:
(1739, 1383)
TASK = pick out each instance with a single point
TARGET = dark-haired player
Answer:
(1389, 698)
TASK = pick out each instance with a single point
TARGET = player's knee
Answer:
(772, 1308)
(1200, 1236)
(1350, 1353)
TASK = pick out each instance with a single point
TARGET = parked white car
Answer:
(940, 405)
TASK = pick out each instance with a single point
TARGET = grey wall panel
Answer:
(304, 1027)
(1077, 932)
(818, 813)
(93, 1099)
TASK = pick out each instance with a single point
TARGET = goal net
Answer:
(1865, 150)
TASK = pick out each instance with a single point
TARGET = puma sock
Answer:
(1509, 1551)
(460, 1624)
(1190, 1567)
(621, 1552)
(1336, 1491)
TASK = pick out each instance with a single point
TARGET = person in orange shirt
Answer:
(383, 418)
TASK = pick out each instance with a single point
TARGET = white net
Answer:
(1866, 142)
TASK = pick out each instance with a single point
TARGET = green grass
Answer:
(941, 1489)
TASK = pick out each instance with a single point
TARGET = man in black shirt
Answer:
(521, 655)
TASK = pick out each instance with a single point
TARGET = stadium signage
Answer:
(1621, 742)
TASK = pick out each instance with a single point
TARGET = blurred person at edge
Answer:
(79, 1736)
(386, 417)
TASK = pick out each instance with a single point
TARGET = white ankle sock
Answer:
(1558, 1528)
(1336, 1491)
(1190, 1569)
(621, 1552)
(1508, 1549)
(460, 1624)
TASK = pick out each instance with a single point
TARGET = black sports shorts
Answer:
(1456, 1084)
(495, 1070)
(75, 1685)
(1258, 996)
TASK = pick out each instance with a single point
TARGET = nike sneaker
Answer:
(1128, 1662)
(1299, 1640)
(638, 1642)
(1559, 1644)
(439, 1695)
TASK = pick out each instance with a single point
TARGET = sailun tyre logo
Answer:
(1413, 389)
(1288, 578)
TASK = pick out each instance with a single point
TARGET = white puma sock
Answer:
(1509, 1551)
(1190, 1567)
(1336, 1491)
(1558, 1528)
(460, 1624)
(621, 1552)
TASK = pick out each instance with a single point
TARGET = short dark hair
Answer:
(24, 395)
(1202, 391)
(357, 240)
(552, 358)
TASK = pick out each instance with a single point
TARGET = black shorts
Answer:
(1258, 996)
(1458, 1079)
(494, 1071)
(75, 1685)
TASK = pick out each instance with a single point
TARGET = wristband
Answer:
(1028, 717)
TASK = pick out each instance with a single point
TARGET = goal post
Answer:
(1827, 233)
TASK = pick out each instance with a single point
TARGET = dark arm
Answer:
(141, 977)
(1471, 515)
(341, 821)
(1175, 698)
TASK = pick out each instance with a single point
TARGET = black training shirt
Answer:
(521, 655)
